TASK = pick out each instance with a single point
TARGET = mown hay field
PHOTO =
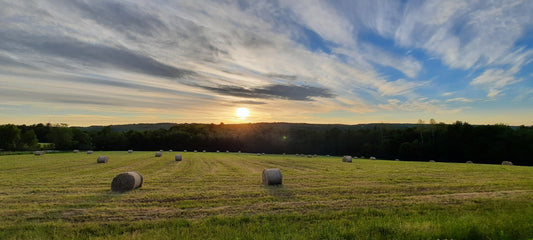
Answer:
(220, 196)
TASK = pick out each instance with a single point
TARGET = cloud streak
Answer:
(298, 93)
(91, 54)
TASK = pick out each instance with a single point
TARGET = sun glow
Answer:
(242, 113)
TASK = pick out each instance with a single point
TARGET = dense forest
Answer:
(457, 142)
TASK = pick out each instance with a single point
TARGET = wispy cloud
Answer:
(398, 87)
(495, 80)
(460, 99)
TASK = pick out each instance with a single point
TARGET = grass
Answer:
(220, 196)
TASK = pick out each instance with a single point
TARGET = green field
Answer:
(220, 196)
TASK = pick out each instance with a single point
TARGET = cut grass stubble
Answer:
(219, 195)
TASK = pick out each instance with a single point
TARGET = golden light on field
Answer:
(242, 113)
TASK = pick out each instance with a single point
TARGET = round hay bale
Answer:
(347, 159)
(272, 176)
(177, 157)
(185, 150)
(90, 152)
(309, 156)
(203, 150)
(76, 151)
(469, 162)
(227, 151)
(38, 153)
(126, 181)
(161, 150)
(508, 163)
(130, 151)
(431, 160)
(258, 154)
(218, 151)
(102, 159)
(372, 158)
(195, 151)
(396, 159)
(170, 150)
(158, 154)
(239, 151)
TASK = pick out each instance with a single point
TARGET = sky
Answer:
(348, 62)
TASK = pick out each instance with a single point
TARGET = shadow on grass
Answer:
(279, 191)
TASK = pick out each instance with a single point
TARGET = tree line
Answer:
(457, 142)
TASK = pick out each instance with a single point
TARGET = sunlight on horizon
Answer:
(242, 113)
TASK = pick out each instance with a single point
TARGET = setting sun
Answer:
(243, 113)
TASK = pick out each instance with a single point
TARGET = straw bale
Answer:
(126, 181)
(347, 158)
(102, 159)
(272, 176)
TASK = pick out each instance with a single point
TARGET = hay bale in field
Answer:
(184, 150)
(227, 151)
(90, 152)
(130, 151)
(126, 181)
(309, 156)
(102, 159)
(161, 150)
(158, 154)
(372, 158)
(396, 159)
(177, 157)
(218, 151)
(347, 158)
(272, 176)
(431, 160)
(195, 151)
(38, 153)
(76, 151)
(508, 163)
(170, 150)
(258, 154)
(469, 162)
(239, 151)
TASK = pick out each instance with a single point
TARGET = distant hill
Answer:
(166, 126)
(135, 127)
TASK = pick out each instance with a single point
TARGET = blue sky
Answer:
(115, 62)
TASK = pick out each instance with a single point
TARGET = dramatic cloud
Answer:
(346, 60)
